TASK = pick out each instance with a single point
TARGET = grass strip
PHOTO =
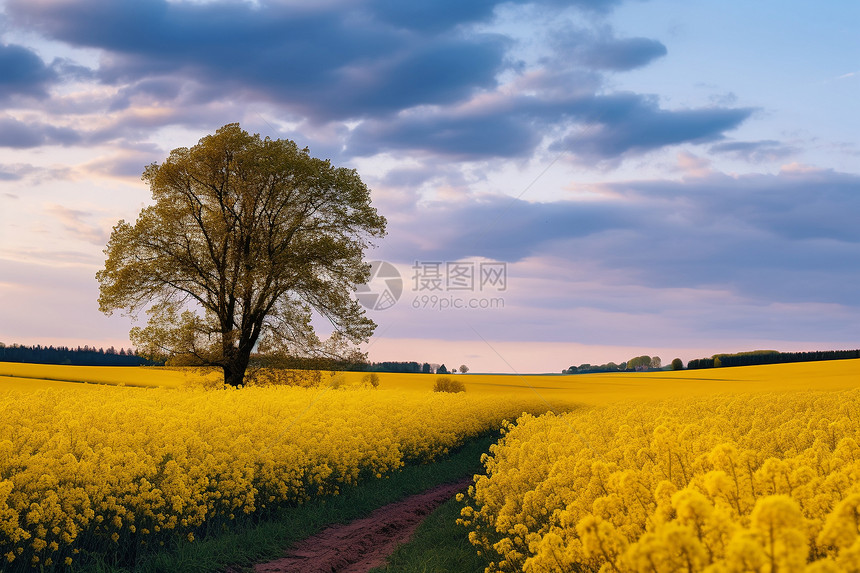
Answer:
(267, 540)
(438, 546)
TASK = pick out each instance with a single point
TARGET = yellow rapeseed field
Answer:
(35, 376)
(108, 469)
(730, 469)
(582, 388)
(762, 480)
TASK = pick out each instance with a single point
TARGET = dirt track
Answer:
(363, 544)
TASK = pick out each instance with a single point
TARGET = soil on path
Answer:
(361, 545)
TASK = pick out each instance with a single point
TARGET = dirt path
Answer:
(363, 544)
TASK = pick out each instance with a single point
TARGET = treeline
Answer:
(91, 356)
(80, 356)
(322, 363)
(399, 367)
(769, 357)
(637, 364)
(412, 368)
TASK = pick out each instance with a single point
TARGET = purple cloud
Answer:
(410, 73)
(22, 72)
(20, 135)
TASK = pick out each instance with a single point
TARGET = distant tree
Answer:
(677, 364)
(656, 363)
(639, 363)
(463, 368)
(442, 370)
(425, 369)
(445, 384)
(246, 238)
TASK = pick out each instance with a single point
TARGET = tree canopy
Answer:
(246, 239)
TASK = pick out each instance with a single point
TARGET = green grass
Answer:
(257, 542)
(438, 546)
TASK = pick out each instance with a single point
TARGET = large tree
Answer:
(246, 238)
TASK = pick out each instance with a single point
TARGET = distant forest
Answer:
(296, 363)
(80, 356)
(637, 364)
(409, 368)
(91, 356)
(769, 357)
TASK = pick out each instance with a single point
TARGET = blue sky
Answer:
(658, 177)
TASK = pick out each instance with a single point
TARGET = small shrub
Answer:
(337, 381)
(371, 379)
(445, 384)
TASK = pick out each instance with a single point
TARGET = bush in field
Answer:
(371, 380)
(337, 381)
(445, 384)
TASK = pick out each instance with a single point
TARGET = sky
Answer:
(564, 182)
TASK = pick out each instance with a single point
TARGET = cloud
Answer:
(623, 54)
(15, 172)
(693, 166)
(434, 77)
(431, 15)
(20, 135)
(785, 238)
(436, 15)
(463, 136)
(599, 128)
(22, 72)
(326, 61)
(123, 164)
(625, 123)
(755, 151)
(601, 50)
(75, 223)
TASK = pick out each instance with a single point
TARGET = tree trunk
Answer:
(235, 367)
